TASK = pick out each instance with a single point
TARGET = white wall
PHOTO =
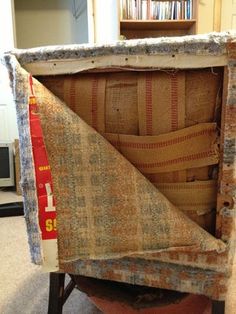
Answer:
(107, 26)
(228, 15)
(205, 16)
(6, 24)
(8, 127)
(50, 22)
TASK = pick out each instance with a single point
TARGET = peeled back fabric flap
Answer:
(105, 207)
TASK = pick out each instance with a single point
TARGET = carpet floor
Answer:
(24, 288)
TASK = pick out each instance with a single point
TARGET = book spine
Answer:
(176, 9)
(161, 11)
(133, 10)
(191, 9)
(125, 8)
(172, 10)
(148, 9)
(158, 11)
(121, 9)
(144, 9)
(151, 10)
(179, 11)
(188, 9)
(185, 10)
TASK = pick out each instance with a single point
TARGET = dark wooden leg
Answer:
(218, 307)
(58, 293)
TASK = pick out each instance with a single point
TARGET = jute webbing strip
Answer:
(191, 147)
(105, 207)
(84, 94)
(121, 112)
(201, 105)
(196, 199)
(200, 174)
(198, 196)
(166, 101)
(161, 102)
(161, 105)
(193, 174)
(167, 177)
(202, 92)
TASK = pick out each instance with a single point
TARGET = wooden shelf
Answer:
(156, 24)
(131, 29)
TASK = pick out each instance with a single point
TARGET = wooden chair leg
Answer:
(56, 293)
(218, 307)
(69, 288)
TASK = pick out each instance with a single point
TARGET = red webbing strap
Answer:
(46, 200)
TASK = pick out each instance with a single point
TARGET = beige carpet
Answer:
(24, 288)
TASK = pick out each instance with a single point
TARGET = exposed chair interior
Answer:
(141, 150)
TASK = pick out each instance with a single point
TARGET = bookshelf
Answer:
(153, 18)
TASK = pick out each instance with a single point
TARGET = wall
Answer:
(228, 15)
(8, 127)
(216, 15)
(205, 16)
(6, 25)
(53, 22)
(106, 18)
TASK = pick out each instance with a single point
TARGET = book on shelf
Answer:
(156, 10)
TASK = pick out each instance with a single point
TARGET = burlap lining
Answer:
(149, 104)
(105, 207)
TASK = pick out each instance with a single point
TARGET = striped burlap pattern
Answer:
(84, 94)
(105, 207)
(168, 152)
(196, 199)
(153, 108)
(161, 106)
(121, 111)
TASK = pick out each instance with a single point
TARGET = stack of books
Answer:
(156, 10)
